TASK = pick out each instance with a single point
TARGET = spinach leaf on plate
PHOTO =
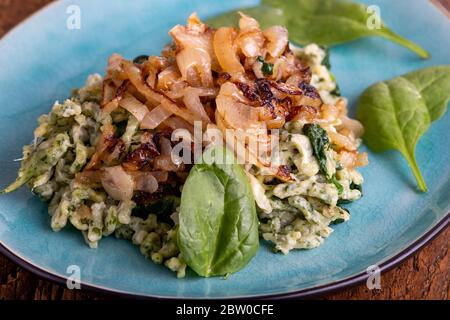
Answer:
(325, 22)
(397, 112)
(218, 231)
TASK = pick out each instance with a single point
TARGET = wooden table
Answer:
(426, 275)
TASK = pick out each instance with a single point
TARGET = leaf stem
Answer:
(416, 171)
(389, 34)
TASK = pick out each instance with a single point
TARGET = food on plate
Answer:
(104, 159)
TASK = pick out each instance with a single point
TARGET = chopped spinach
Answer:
(337, 91)
(321, 145)
(163, 208)
(339, 186)
(120, 128)
(267, 68)
(337, 221)
(326, 61)
(140, 59)
(343, 201)
(354, 186)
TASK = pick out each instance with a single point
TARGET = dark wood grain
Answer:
(426, 275)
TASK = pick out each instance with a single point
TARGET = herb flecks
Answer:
(266, 68)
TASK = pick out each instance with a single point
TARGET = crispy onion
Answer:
(135, 77)
(277, 38)
(226, 50)
(146, 182)
(195, 35)
(134, 106)
(114, 70)
(354, 125)
(178, 123)
(250, 39)
(117, 183)
(233, 111)
(192, 102)
(329, 112)
(91, 178)
(167, 78)
(166, 146)
(164, 162)
(195, 67)
(109, 90)
(155, 117)
(207, 75)
(102, 145)
(362, 159)
(342, 141)
(351, 159)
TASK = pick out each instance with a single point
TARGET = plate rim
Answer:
(312, 292)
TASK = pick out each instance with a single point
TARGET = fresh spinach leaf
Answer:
(325, 22)
(218, 231)
(396, 113)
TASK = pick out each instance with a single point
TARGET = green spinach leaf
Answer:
(163, 208)
(320, 143)
(396, 113)
(325, 22)
(321, 147)
(218, 231)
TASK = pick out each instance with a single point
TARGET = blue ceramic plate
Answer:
(42, 60)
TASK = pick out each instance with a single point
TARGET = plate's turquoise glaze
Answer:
(41, 61)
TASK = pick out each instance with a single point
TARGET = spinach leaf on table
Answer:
(218, 230)
(325, 22)
(397, 112)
